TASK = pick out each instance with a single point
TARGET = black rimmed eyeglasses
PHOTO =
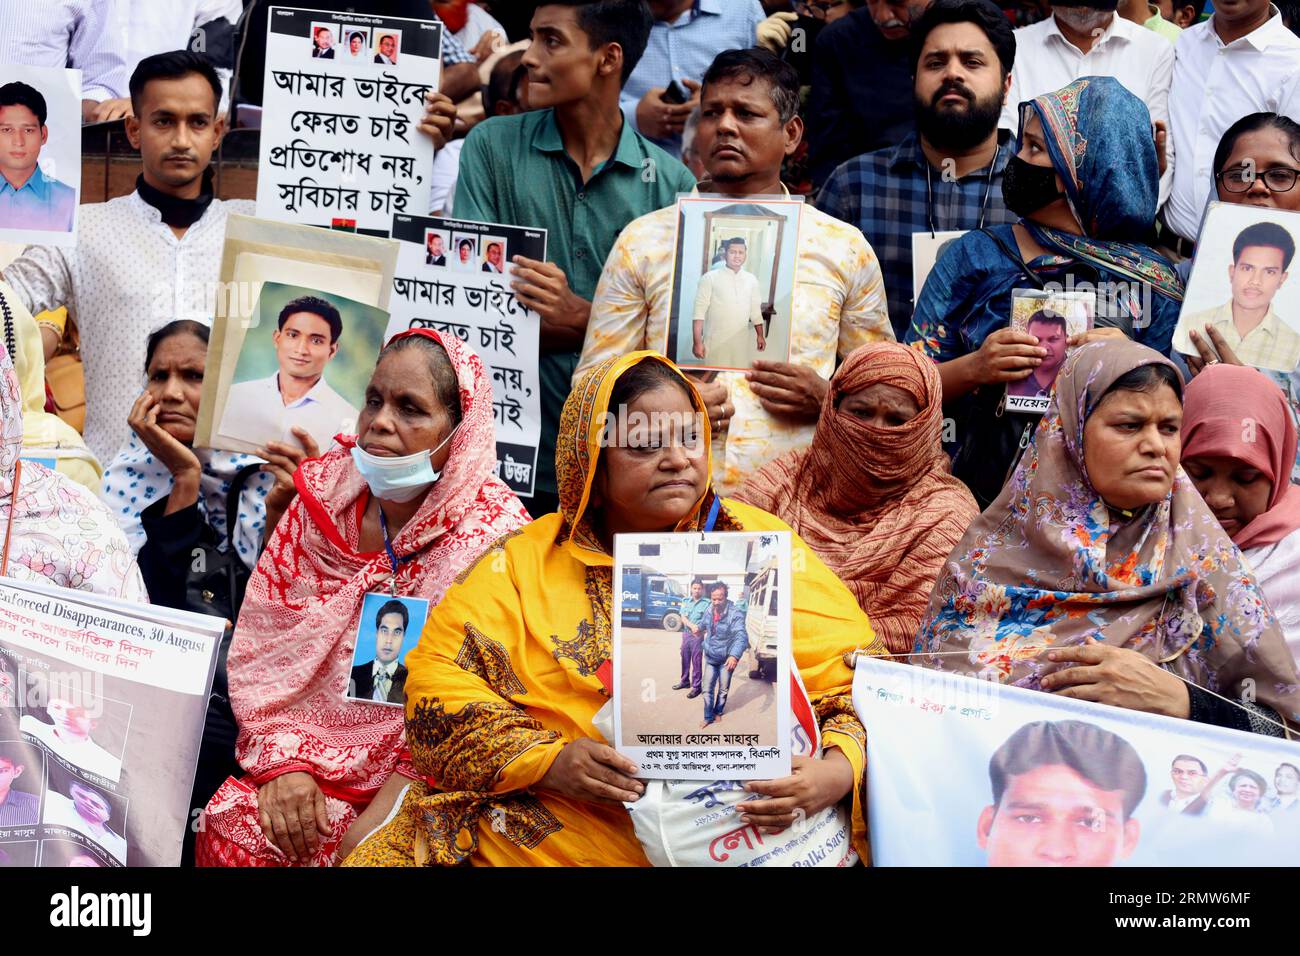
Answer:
(1239, 179)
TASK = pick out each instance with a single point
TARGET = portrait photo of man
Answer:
(18, 807)
(493, 257)
(387, 47)
(1064, 793)
(1257, 335)
(727, 324)
(88, 811)
(435, 249)
(383, 679)
(73, 719)
(306, 339)
(322, 43)
(1190, 778)
(1050, 330)
(29, 199)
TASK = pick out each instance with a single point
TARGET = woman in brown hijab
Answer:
(872, 494)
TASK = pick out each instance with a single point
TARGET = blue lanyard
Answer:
(393, 559)
(713, 512)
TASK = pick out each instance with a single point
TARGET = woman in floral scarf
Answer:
(1100, 554)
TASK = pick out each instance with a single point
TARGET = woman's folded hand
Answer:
(812, 786)
(587, 770)
(291, 811)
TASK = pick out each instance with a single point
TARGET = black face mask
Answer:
(1027, 188)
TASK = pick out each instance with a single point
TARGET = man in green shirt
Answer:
(575, 168)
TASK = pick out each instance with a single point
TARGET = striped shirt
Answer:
(68, 33)
(20, 809)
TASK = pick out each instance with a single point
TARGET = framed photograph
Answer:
(305, 362)
(1239, 286)
(1051, 317)
(701, 657)
(733, 281)
(388, 628)
(40, 154)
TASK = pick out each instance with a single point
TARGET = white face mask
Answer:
(398, 479)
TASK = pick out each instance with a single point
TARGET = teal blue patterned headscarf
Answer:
(1098, 135)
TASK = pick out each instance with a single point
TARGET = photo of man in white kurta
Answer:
(728, 319)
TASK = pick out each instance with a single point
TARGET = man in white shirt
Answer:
(297, 395)
(87, 811)
(1190, 778)
(69, 737)
(727, 325)
(1242, 60)
(71, 33)
(1090, 40)
(202, 26)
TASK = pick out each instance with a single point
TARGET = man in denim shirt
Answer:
(693, 611)
(725, 639)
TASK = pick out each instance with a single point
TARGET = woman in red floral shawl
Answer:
(321, 770)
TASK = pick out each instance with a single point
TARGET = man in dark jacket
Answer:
(725, 640)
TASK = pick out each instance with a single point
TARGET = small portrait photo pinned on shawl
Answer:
(40, 154)
(86, 730)
(389, 627)
(1051, 317)
(701, 654)
(305, 361)
(1240, 288)
(733, 281)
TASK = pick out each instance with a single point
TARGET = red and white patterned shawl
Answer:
(291, 657)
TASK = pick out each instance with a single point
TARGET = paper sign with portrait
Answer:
(701, 654)
(1240, 286)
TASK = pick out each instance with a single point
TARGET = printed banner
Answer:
(102, 704)
(40, 155)
(342, 104)
(702, 654)
(454, 276)
(967, 772)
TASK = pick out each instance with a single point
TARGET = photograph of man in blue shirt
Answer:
(29, 199)
(725, 640)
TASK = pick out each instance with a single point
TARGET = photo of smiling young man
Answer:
(29, 198)
(305, 340)
(1257, 335)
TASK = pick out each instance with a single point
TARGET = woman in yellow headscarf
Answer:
(47, 438)
(506, 680)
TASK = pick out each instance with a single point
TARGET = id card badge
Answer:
(389, 627)
(927, 247)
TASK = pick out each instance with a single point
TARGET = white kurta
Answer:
(1277, 569)
(728, 303)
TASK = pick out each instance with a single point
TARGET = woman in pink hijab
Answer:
(1239, 443)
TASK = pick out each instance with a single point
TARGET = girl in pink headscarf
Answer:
(1239, 443)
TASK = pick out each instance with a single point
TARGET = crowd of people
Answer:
(1130, 545)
